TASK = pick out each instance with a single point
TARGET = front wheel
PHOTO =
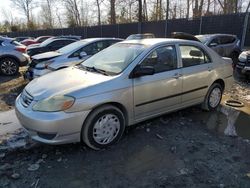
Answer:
(213, 97)
(103, 127)
(8, 66)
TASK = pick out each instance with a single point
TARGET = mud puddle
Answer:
(227, 120)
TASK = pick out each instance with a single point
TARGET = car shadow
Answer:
(4, 78)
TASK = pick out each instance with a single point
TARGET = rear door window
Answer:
(227, 39)
(192, 55)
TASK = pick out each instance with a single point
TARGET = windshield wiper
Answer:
(94, 69)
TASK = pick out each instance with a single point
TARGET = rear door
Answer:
(158, 93)
(215, 44)
(196, 70)
(227, 43)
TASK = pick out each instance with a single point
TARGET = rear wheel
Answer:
(213, 97)
(9, 66)
(103, 127)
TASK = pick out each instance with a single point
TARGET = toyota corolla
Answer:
(127, 83)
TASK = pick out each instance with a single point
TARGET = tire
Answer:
(213, 97)
(108, 114)
(9, 66)
(234, 56)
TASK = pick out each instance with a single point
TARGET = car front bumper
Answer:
(51, 127)
(245, 70)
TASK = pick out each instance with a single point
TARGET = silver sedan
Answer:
(124, 84)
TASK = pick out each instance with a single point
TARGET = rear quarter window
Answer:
(227, 39)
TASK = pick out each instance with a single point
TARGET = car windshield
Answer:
(203, 38)
(116, 58)
(73, 46)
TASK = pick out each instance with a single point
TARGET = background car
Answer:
(38, 40)
(125, 84)
(243, 65)
(69, 55)
(140, 36)
(48, 45)
(225, 45)
(12, 56)
(19, 39)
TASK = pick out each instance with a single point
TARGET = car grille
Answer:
(26, 99)
(248, 60)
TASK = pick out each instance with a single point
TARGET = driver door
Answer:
(160, 92)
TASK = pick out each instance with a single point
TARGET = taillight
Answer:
(21, 49)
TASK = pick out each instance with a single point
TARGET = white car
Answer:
(69, 55)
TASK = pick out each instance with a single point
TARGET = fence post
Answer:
(139, 27)
(118, 31)
(244, 31)
(200, 25)
(166, 28)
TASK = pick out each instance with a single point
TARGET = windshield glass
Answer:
(203, 38)
(115, 58)
(73, 46)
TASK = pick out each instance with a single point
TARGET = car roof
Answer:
(100, 39)
(215, 35)
(154, 41)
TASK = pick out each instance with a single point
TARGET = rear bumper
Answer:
(25, 60)
(228, 82)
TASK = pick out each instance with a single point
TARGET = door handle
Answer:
(177, 75)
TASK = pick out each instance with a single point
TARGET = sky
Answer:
(7, 5)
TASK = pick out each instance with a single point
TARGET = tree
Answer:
(47, 14)
(25, 6)
(72, 12)
(139, 10)
(98, 3)
(112, 12)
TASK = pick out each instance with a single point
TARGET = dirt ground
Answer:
(10, 87)
(187, 148)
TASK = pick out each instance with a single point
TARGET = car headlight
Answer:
(54, 104)
(44, 64)
(243, 57)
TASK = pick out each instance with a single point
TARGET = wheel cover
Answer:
(8, 67)
(215, 97)
(106, 129)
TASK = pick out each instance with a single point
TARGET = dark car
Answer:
(224, 44)
(243, 65)
(48, 45)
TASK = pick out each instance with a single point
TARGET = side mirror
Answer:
(214, 44)
(82, 54)
(142, 71)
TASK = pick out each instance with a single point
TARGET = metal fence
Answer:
(237, 24)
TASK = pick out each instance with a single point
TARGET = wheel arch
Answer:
(221, 82)
(10, 56)
(115, 104)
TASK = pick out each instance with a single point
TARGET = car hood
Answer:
(46, 55)
(63, 82)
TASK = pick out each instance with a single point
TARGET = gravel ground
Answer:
(10, 87)
(187, 148)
